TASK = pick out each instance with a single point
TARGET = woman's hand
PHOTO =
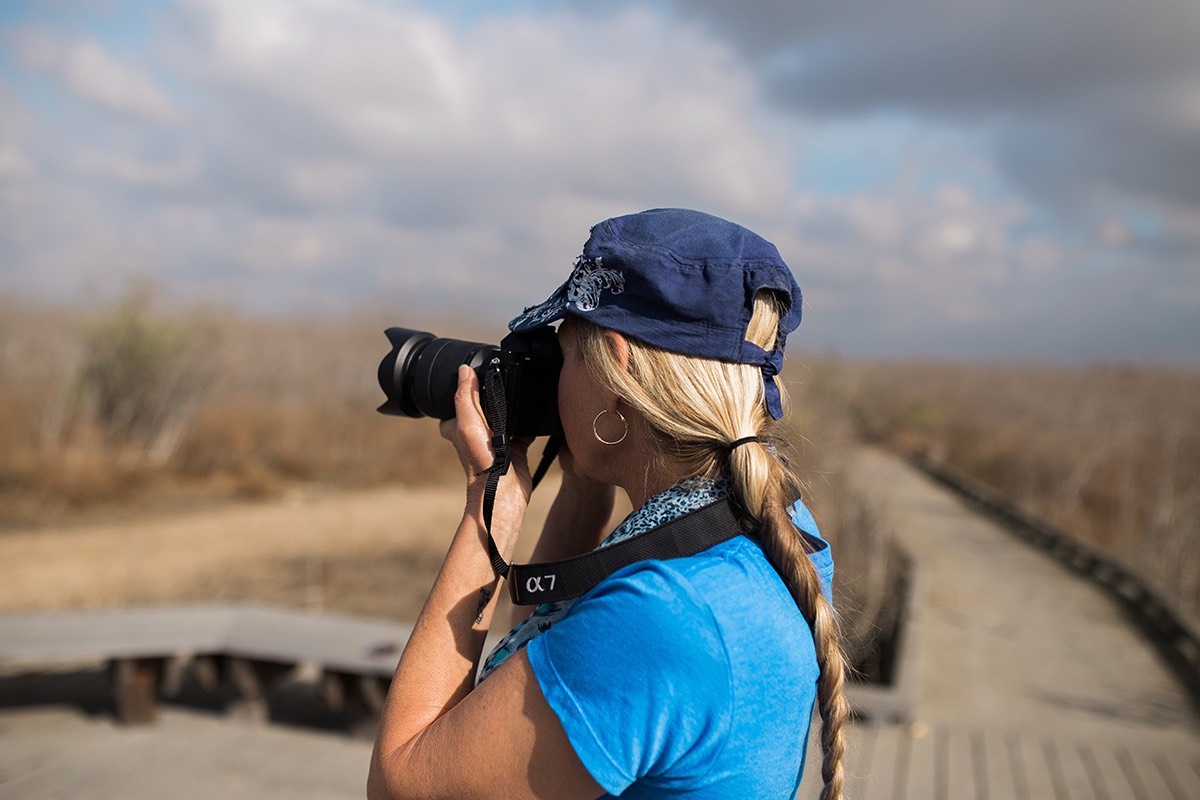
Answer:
(577, 520)
(472, 439)
(585, 504)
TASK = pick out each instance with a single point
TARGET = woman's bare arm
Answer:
(437, 737)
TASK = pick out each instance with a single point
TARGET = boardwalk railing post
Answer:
(135, 685)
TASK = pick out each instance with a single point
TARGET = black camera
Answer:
(420, 375)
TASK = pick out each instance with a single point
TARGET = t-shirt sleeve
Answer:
(820, 552)
(639, 677)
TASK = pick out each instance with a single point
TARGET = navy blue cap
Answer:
(681, 280)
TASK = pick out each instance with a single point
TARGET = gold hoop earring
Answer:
(600, 438)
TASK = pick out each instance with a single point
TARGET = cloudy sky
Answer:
(989, 178)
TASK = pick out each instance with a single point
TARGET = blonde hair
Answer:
(693, 409)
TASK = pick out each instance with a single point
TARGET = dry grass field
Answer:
(213, 459)
(149, 456)
(124, 430)
(135, 408)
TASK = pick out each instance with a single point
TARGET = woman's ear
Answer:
(619, 346)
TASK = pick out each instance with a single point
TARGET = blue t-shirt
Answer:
(691, 677)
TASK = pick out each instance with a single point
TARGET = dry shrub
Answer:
(143, 375)
(130, 405)
(18, 439)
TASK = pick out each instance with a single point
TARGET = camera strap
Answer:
(550, 581)
(497, 415)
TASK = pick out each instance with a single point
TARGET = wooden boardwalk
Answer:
(943, 762)
(1029, 685)
(1031, 682)
(242, 650)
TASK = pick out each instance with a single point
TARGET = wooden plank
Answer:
(1070, 774)
(342, 643)
(980, 767)
(997, 755)
(345, 693)
(1016, 761)
(44, 638)
(810, 783)
(903, 763)
(961, 779)
(335, 691)
(1133, 777)
(175, 671)
(859, 761)
(1039, 779)
(206, 671)
(941, 764)
(1098, 781)
(374, 693)
(1113, 775)
(923, 780)
(1182, 778)
(890, 764)
(135, 689)
(1183, 769)
(1151, 780)
(250, 681)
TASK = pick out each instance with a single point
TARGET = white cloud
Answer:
(96, 75)
(518, 123)
(326, 154)
(15, 161)
(1114, 233)
(368, 142)
(539, 104)
(954, 238)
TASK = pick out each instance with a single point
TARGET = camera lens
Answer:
(420, 374)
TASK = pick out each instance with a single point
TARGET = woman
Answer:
(687, 677)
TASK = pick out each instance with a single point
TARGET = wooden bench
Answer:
(240, 650)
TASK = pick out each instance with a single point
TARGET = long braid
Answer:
(693, 409)
(785, 550)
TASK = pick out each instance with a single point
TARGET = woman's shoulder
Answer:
(716, 589)
(657, 608)
(732, 560)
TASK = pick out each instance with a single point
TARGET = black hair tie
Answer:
(744, 440)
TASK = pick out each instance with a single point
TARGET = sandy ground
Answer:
(372, 553)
